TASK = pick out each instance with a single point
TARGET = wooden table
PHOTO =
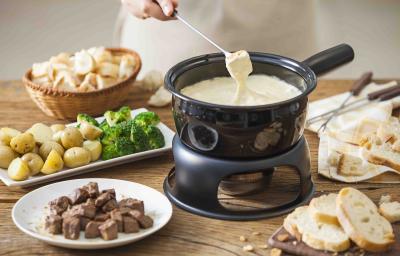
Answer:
(185, 234)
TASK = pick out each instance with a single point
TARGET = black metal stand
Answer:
(197, 178)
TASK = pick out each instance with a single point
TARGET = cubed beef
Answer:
(117, 217)
(81, 210)
(111, 191)
(53, 224)
(92, 188)
(79, 196)
(132, 203)
(84, 221)
(110, 205)
(59, 205)
(90, 201)
(124, 210)
(144, 220)
(101, 216)
(103, 198)
(130, 224)
(71, 227)
(109, 230)
(92, 229)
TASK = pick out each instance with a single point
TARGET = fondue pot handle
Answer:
(330, 59)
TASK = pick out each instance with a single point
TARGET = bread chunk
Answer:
(361, 221)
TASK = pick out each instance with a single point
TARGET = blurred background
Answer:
(32, 31)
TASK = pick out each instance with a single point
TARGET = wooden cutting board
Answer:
(292, 246)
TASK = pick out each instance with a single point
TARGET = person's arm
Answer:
(159, 9)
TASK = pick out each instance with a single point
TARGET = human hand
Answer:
(159, 9)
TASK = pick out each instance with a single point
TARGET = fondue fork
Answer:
(226, 53)
(371, 98)
(357, 87)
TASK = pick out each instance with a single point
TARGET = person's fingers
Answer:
(167, 6)
(154, 10)
(134, 7)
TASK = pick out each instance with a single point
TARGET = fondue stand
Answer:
(193, 183)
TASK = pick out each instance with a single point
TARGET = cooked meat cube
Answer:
(117, 217)
(92, 229)
(144, 220)
(109, 230)
(102, 216)
(84, 221)
(110, 205)
(79, 196)
(92, 188)
(71, 227)
(53, 224)
(125, 210)
(111, 191)
(81, 210)
(103, 198)
(59, 205)
(132, 203)
(90, 201)
(130, 224)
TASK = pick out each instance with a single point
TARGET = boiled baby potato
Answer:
(53, 163)
(76, 156)
(18, 170)
(41, 132)
(90, 131)
(35, 149)
(23, 143)
(6, 134)
(34, 162)
(48, 146)
(57, 136)
(71, 137)
(6, 156)
(57, 127)
(94, 147)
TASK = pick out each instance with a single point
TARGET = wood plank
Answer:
(186, 233)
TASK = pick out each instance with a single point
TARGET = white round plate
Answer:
(29, 211)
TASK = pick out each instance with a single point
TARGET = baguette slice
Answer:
(391, 211)
(383, 155)
(350, 166)
(317, 235)
(323, 209)
(361, 221)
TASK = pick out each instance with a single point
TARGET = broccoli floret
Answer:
(126, 128)
(113, 118)
(139, 138)
(104, 125)
(121, 147)
(110, 135)
(155, 137)
(86, 118)
(145, 119)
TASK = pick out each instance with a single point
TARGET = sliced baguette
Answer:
(350, 166)
(361, 221)
(383, 155)
(391, 211)
(323, 209)
(320, 236)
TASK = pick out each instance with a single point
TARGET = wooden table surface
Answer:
(185, 234)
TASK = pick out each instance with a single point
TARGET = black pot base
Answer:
(193, 183)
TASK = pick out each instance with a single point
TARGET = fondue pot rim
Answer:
(300, 68)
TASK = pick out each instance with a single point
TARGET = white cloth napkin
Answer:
(344, 132)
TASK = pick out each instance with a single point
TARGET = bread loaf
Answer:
(361, 221)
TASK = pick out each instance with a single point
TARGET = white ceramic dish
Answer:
(100, 164)
(29, 211)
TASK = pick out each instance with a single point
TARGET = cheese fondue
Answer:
(241, 89)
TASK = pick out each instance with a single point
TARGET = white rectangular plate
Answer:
(99, 164)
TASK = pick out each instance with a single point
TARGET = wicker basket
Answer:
(66, 105)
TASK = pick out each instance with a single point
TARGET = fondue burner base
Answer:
(193, 183)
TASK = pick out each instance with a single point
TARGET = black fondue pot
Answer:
(247, 131)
